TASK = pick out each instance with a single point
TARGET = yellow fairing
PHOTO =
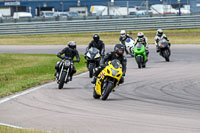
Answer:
(108, 71)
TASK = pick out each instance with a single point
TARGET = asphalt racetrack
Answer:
(162, 98)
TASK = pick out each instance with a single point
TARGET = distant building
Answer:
(8, 7)
(195, 6)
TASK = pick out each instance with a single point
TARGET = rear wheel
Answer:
(62, 80)
(107, 90)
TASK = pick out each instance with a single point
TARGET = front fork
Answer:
(60, 72)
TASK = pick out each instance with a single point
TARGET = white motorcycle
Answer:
(129, 43)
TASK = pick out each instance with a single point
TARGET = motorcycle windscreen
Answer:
(116, 63)
(93, 52)
(163, 44)
(128, 40)
(139, 49)
(139, 46)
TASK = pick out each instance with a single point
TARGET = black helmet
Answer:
(118, 48)
(159, 32)
(72, 44)
(96, 37)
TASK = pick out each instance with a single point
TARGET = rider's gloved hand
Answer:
(95, 70)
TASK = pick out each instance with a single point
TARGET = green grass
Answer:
(5, 129)
(22, 71)
(177, 36)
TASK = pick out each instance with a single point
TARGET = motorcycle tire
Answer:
(143, 65)
(91, 67)
(62, 80)
(131, 52)
(90, 73)
(167, 59)
(139, 61)
(166, 55)
(132, 55)
(107, 91)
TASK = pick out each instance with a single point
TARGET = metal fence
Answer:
(101, 25)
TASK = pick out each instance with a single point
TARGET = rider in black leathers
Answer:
(69, 51)
(116, 54)
(97, 43)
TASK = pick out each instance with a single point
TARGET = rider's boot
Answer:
(94, 80)
(70, 78)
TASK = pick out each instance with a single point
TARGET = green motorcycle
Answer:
(140, 55)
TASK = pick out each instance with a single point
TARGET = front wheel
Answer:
(90, 73)
(131, 52)
(91, 67)
(167, 59)
(139, 61)
(166, 54)
(107, 90)
(62, 80)
(143, 65)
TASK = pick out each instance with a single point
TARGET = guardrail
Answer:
(101, 25)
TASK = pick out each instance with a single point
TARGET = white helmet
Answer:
(123, 33)
(159, 32)
(140, 34)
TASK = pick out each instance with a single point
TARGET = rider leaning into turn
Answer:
(142, 39)
(116, 54)
(97, 43)
(123, 37)
(69, 51)
(159, 36)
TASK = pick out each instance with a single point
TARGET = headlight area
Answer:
(67, 63)
(88, 55)
(114, 72)
(97, 55)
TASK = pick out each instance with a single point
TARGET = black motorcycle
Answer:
(66, 66)
(164, 49)
(93, 58)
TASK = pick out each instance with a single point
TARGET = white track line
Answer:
(26, 92)
(32, 89)
(9, 125)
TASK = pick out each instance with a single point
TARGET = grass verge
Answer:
(5, 129)
(22, 71)
(177, 36)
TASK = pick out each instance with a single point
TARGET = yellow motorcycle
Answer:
(107, 79)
